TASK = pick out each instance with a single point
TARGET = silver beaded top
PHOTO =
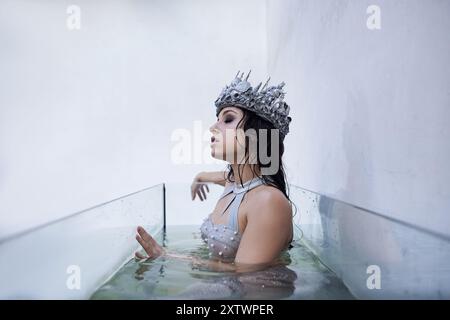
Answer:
(267, 103)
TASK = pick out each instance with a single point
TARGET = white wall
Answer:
(370, 108)
(87, 115)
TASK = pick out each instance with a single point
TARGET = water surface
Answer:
(299, 276)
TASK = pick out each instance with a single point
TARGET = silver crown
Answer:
(267, 103)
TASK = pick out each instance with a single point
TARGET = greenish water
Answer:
(300, 276)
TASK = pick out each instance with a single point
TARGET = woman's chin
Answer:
(217, 155)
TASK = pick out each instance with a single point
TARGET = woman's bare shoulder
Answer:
(270, 197)
(266, 190)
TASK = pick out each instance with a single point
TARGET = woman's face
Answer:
(226, 140)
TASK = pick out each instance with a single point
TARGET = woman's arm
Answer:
(268, 229)
(217, 177)
(211, 265)
(199, 186)
(154, 250)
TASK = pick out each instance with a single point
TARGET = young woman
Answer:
(251, 224)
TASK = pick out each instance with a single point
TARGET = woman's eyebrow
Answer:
(225, 112)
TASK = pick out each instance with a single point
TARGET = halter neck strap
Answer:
(237, 188)
(239, 192)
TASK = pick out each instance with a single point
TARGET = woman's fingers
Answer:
(202, 190)
(147, 239)
(151, 247)
(205, 188)
(153, 241)
(144, 234)
(198, 189)
(193, 191)
(199, 194)
(139, 256)
(146, 245)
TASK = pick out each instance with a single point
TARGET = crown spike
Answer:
(257, 87)
(242, 74)
(237, 74)
(250, 71)
(265, 84)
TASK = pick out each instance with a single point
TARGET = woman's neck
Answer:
(245, 174)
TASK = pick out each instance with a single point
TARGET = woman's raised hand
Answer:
(151, 247)
(199, 188)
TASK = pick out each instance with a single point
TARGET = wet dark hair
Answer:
(251, 120)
